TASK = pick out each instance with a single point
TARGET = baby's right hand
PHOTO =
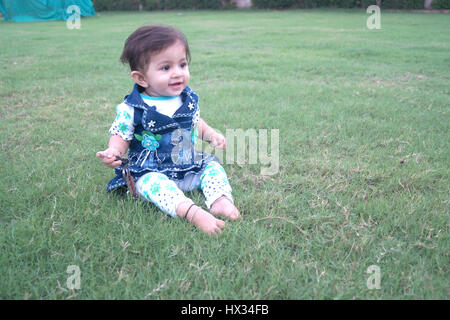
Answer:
(108, 157)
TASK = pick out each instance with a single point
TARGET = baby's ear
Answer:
(139, 78)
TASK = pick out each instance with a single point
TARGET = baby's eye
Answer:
(165, 68)
(184, 64)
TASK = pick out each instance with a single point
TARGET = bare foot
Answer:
(200, 218)
(224, 207)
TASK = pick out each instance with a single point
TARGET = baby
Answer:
(158, 124)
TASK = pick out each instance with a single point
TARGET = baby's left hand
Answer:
(218, 141)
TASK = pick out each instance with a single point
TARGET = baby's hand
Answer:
(218, 141)
(108, 157)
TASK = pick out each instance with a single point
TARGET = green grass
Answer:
(364, 159)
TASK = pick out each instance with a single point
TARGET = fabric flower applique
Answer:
(149, 140)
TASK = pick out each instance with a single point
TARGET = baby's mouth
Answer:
(176, 84)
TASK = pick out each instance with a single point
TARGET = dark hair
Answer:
(148, 40)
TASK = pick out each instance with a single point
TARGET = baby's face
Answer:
(168, 72)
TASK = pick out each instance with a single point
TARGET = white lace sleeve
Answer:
(123, 124)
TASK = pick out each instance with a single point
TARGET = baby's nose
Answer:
(177, 72)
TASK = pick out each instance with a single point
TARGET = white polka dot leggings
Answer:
(165, 194)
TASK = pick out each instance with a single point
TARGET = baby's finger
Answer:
(106, 162)
(214, 142)
(105, 155)
(117, 163)
(218, 144)
(110, 161)
(215, 232)
(221, 145)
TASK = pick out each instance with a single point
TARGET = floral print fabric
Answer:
(123, 124)
(164, 193)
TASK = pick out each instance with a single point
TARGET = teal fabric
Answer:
(43, 10)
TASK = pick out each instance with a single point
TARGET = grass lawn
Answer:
(363, 120)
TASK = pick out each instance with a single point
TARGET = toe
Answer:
(220, 223)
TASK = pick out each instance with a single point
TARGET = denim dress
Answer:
(164, 144)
